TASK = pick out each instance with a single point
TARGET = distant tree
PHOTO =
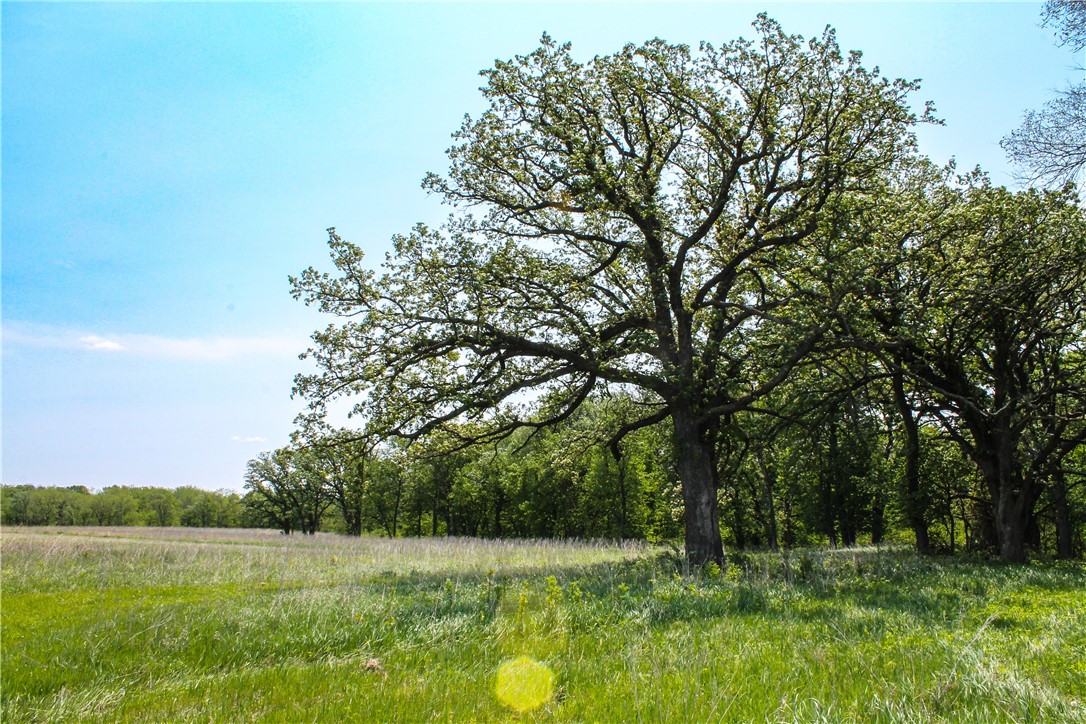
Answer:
(119, 505)
(993, 331)
(43, 506)
(31, 505)
(1068, 498)
(114, 505)
(310, 487)
(342, 457)
(951, 482)
(208, 509)
(1050, 145)
(349, 463)
(271, 482)
(197, 508)
(14, 500)
(636, 219)
(386, 489)
(836, 461)
(227, 509)
(158, 506)
(1068, 17)
(913, 215)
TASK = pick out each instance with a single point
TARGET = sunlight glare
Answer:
(524, 684)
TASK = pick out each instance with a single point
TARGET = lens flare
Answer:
(524, 684)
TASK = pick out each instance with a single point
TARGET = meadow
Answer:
(138, 624)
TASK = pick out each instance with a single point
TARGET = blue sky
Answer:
(165, 167)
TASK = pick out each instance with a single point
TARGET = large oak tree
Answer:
(980, 305)
(660, 219)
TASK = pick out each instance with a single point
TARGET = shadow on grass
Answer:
(812, 585)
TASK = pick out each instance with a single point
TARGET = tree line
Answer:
(740, 251)
(840, 468)
(123, 506)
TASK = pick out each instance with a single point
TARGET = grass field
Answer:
(182, 625)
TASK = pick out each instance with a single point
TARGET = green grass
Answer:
(157, 625)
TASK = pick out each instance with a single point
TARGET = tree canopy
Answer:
(660, 219)
(982, 304)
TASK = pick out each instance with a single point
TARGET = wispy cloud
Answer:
(94, 342)
(206, 349)
(254, 438)
(211, 348)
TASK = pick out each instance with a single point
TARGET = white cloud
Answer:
(254, 438)
(197, 349)
(94, 342)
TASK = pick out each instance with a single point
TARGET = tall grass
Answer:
(154, 625)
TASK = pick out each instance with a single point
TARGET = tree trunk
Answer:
(984, 535)
(878, 518)
(788, 535)
(739, 527)
(914, 501)
(1064, 535)
(951, 528)
(499, 502)
(1012, 506)
(829, 521)
(695, 466)
(623, 503)
(827, 474)
(353, 523)
(396, 509)
(757, 501)
(1033, 532)
(1011, 528)
(963, 514)
(769, 480)
(352, 514)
